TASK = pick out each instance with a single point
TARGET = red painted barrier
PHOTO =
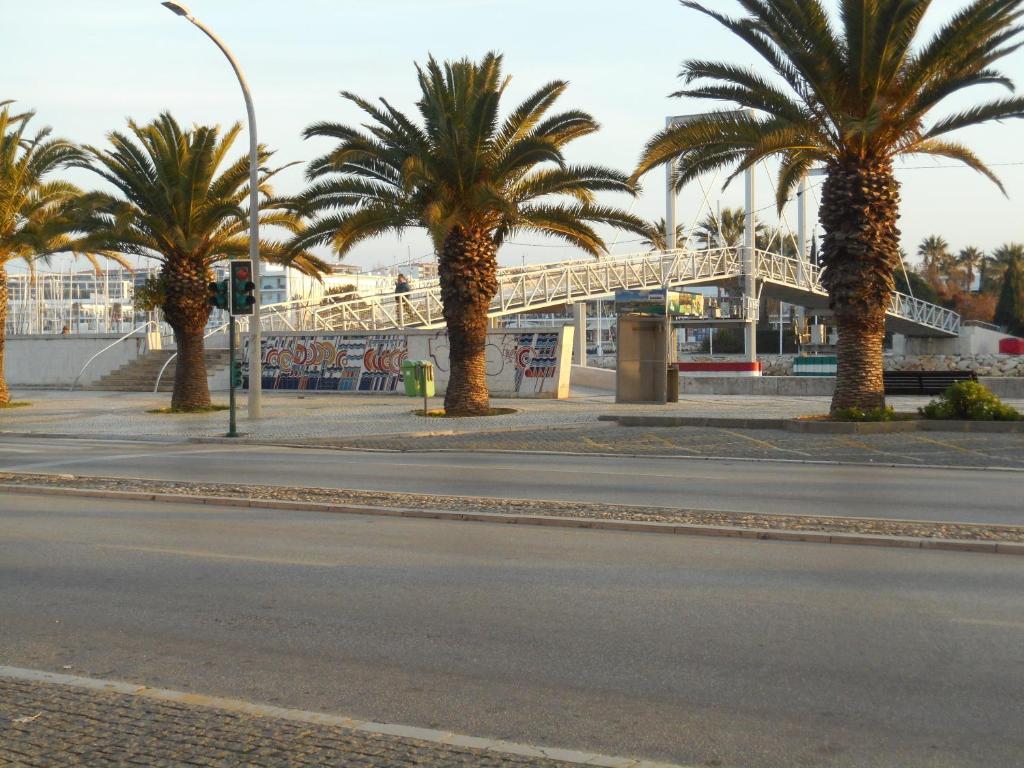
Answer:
(1011, 346)
(720, 369)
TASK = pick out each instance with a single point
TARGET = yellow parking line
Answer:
(944, 444)
(763, 443)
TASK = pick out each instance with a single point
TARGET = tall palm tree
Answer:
(34, 209)
(180, 203)
(470, 179)
(852, 92)
(970, 260)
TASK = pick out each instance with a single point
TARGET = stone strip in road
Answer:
(967, 450)
(964, 537)
(49, 719)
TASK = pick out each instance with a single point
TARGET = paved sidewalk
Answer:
(44, 724)
(306, 415)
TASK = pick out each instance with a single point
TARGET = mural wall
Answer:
(532, 364)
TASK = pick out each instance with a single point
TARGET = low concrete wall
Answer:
(54, 361)
(793, 386)
(520, 363)
(593, 378)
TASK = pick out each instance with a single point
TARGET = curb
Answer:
(809, 427)
(762, 534)
(432, 736)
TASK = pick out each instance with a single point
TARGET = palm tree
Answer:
(935, 260)
(993, 268)
(34, 215)
(179, 204)
(655, 239)
(723, 231)
(970, 260)
(471, 180)
(851, 92)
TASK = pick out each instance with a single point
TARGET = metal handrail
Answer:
(159, 376)
(109, 347)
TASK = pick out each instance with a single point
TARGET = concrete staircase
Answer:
(140, 374)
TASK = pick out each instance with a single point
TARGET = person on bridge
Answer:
(401, 287)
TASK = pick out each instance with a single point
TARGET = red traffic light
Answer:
(242, 273)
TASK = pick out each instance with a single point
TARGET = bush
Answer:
(857, 414)
(970, 401)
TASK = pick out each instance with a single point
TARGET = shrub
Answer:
(857, 414)
(971, 401)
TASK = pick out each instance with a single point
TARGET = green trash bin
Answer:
(410, 379)
(425, 377)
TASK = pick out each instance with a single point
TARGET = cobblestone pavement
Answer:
(42, 725)
(906, 448)
(961, 531)
(294, 415)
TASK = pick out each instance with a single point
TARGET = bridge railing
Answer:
(544, 285)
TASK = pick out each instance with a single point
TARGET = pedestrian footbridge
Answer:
(537, 287)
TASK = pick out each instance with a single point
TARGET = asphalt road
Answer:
(895, 492)
(704, 652)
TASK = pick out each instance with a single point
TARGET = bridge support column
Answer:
(750, 304)
(579, 319)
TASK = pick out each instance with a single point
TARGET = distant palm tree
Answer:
(853, 93)
(970, 260)
(725, 231)
(470, 179)
(655, 239)
(935, 259)
(34, 210)
(178, 203)
(995, 265)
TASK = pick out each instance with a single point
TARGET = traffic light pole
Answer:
(232, 422)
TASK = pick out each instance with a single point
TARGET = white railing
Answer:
(537, 286)
(145, 326)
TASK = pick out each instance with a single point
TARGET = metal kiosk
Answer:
(646, 346)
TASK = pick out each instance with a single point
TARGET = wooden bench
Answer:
(923, 382)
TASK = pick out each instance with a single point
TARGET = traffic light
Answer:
(236, 374)
(218, 294)
(243, 289)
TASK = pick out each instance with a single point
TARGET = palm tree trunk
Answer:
(859, 212)
(468, 276)
(5, 394)
(186, 310)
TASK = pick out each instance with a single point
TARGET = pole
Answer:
(749, 261)
(255, 341)
(232, 420)
(670, 201)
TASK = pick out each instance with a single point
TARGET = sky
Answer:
(98, 62)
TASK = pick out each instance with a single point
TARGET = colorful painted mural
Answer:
(519, 364)
(333, 362)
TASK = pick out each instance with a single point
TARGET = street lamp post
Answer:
(255, 344)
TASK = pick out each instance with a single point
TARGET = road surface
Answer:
(699, 651)
(857, 491)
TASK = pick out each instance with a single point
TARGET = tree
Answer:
(970, 260)
(1010, 309)
(471, 180)
(935, 259)
(655, 239)
(179, 203)
(994, 267)
(853, 93)
(34, 209)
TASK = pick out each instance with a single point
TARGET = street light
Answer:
(255, 345)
